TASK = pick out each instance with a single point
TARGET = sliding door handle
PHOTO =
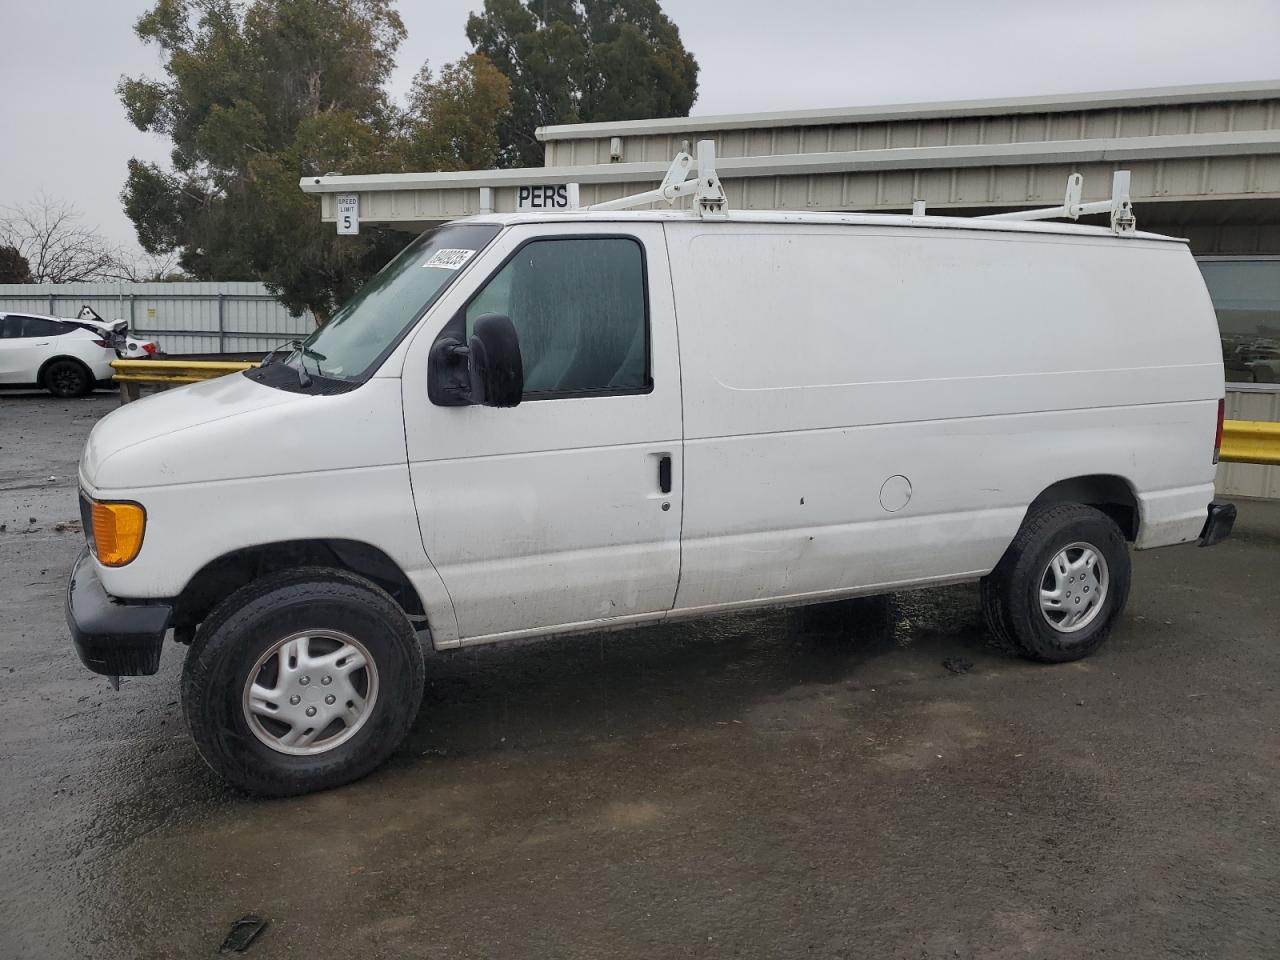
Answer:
(664, 473)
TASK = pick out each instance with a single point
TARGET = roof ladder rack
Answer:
(1119, 206)
(708, 194)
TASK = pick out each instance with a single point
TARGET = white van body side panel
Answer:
(821, 362)
(974, 475)
(548, 516)
(228, 464)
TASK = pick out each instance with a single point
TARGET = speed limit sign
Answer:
(348, 213)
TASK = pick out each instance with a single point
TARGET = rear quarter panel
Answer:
(82, 345)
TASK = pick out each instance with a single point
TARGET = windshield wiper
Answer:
(291, 344)
(295, 346)
(304, 378)
(303, 352)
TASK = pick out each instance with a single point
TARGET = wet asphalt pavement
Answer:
(739, 787)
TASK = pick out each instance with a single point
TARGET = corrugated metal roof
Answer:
(1100, 100)
(1118, 149)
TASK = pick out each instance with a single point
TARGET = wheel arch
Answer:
(222, 576)
(1108, 492)
(62, 356)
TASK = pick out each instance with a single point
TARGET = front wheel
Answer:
(1060, 586)
(302, 681)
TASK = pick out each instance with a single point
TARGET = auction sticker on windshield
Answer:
(449, 259)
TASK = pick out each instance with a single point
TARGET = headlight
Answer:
(116, 529)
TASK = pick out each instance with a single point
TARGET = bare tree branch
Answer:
(150, 268)
(59, 248)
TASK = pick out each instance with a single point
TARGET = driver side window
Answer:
(580, 309)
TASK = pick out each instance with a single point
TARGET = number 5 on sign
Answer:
(348, 213)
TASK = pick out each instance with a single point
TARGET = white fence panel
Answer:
(183, 318)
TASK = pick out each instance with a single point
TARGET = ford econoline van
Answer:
(536, 424)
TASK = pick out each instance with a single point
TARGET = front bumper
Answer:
(1217, 527)
(111, 636)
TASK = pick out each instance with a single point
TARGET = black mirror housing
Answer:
(487, 370)
(496, 361)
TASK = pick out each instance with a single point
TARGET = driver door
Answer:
(564, 511)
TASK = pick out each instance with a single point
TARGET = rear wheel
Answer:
(1060, 586)
(67, 378)
(302, 681)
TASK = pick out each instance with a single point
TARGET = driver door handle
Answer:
(664, 473)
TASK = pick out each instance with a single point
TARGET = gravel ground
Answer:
(737, 787)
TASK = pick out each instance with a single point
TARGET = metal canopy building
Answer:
(1205, 163)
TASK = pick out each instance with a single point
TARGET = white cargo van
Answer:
(534, 424)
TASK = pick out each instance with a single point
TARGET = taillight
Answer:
(149, 348)
(105, 344)
(1217, 439)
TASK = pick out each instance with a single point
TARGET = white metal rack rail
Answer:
(1119, 206)
(708, 195)
(710, 200)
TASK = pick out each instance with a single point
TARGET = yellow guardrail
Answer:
(1250, 441)
(163, 374)
(175, 371)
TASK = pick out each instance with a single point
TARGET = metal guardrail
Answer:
(163, 374)
(1250, 441)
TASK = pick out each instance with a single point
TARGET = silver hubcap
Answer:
(310, 692)
(1073, 588)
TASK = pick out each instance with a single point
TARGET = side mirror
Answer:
(496, 361)
(487, 370)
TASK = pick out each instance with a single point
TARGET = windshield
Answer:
(372, 321)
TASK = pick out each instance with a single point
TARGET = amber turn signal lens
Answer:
(117, 532)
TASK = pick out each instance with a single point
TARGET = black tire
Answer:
(1011, 592)
(67, 378)
(249, 623)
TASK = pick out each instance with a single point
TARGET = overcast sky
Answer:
(65, 132)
